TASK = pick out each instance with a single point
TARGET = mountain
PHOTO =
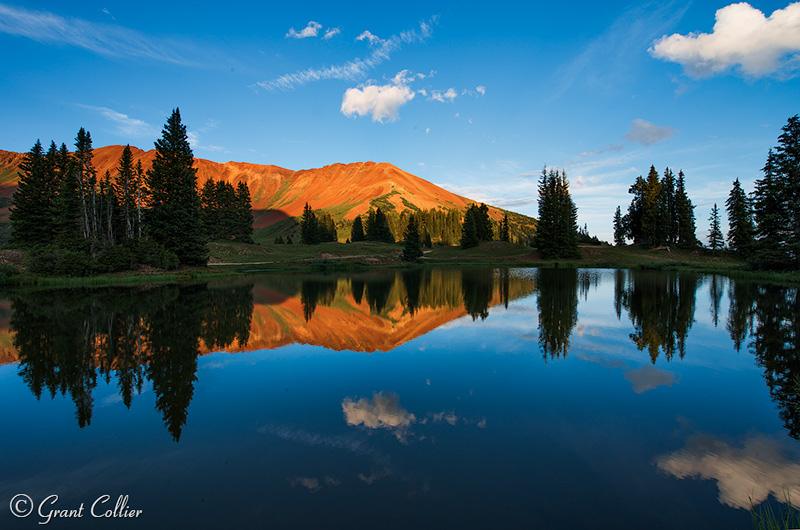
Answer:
(279, 194)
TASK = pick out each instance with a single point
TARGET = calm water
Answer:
(426, 399)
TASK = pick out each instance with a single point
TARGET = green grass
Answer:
(764, 518)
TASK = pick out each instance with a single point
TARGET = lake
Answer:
(436, 398)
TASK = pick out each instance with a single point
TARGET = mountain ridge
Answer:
(279, 194)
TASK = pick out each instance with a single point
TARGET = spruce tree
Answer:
(715, 240)
(244, 213)
(740, 221)
(469, 229)
(685, 214)
(175, 217)
(484, 223)
(31, 204)
(787, 158)
(504, 229)
(619, 228)
(87, 186)
(309, 231)
(357, 231)
(126, 189)
(412, 249)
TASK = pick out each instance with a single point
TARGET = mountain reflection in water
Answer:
(65, 340)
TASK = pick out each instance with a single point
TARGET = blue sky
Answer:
(474, 97)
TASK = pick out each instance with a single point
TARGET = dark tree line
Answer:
(660, 213)
(73, 223)
(227, 211)
(477, 226)
(316, 227)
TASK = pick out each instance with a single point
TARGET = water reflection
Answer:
(745, 475)
(65, 342)
(661, 308)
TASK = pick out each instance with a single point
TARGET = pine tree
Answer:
(244, 214)
(557, 228)
(357, 231)
(619, 228)
(740, 221)
(31, 204)
(413, 245)
(309, 231)
(126, 190)
(378, 227)
(504, 229)
(669, 207)
(87, 186)
(715, 240)
(483, 224)
(787, 158)
(685, 215)
(651, 209)
(175, 216)
(469, 229)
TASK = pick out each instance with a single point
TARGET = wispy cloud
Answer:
(103, 39)
(124, 125)
(610, 59)
(447, 96)
(311, 30)
(647, 133)
(331, 32)
(356, 68)
(742, 38)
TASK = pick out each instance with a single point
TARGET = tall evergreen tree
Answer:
(504, 229)
(126, 191)
(357, 231)
(244, 213)
(685, 214)
(378, 227)
(484, 223)
(669, 208)
(87, 186)
(412, 249)
(31, 204)
(469, 229)
(715, 239)
(557, 229)
(740, 220)
(309, 230)
(175, 217)
(652, 209)
(619, 228)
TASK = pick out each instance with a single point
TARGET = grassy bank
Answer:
(228, 258)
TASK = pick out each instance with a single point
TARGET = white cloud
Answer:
(648, 377)
(124, 124)
(742, 38)
(311, 30)
(383, 411)
(373, 39)
(481, 90)
(102, 39)
(355, 69)
(749, 473)
(331, 32)
(382, 102)
(647, 133)
(428, 130)
(447, 96)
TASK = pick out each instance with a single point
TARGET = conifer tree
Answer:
(504, 229)
(126, 191)
(469, 229)
(244, 213)
(357, 231)
(175, 217)
(619, 228)
(715, 240)
(557, 229)
(31, 204)
(483, 224)
(413, 245)
(685, 214)
(740, 221)
(787, 157)
(87, 186)
(309, 230)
